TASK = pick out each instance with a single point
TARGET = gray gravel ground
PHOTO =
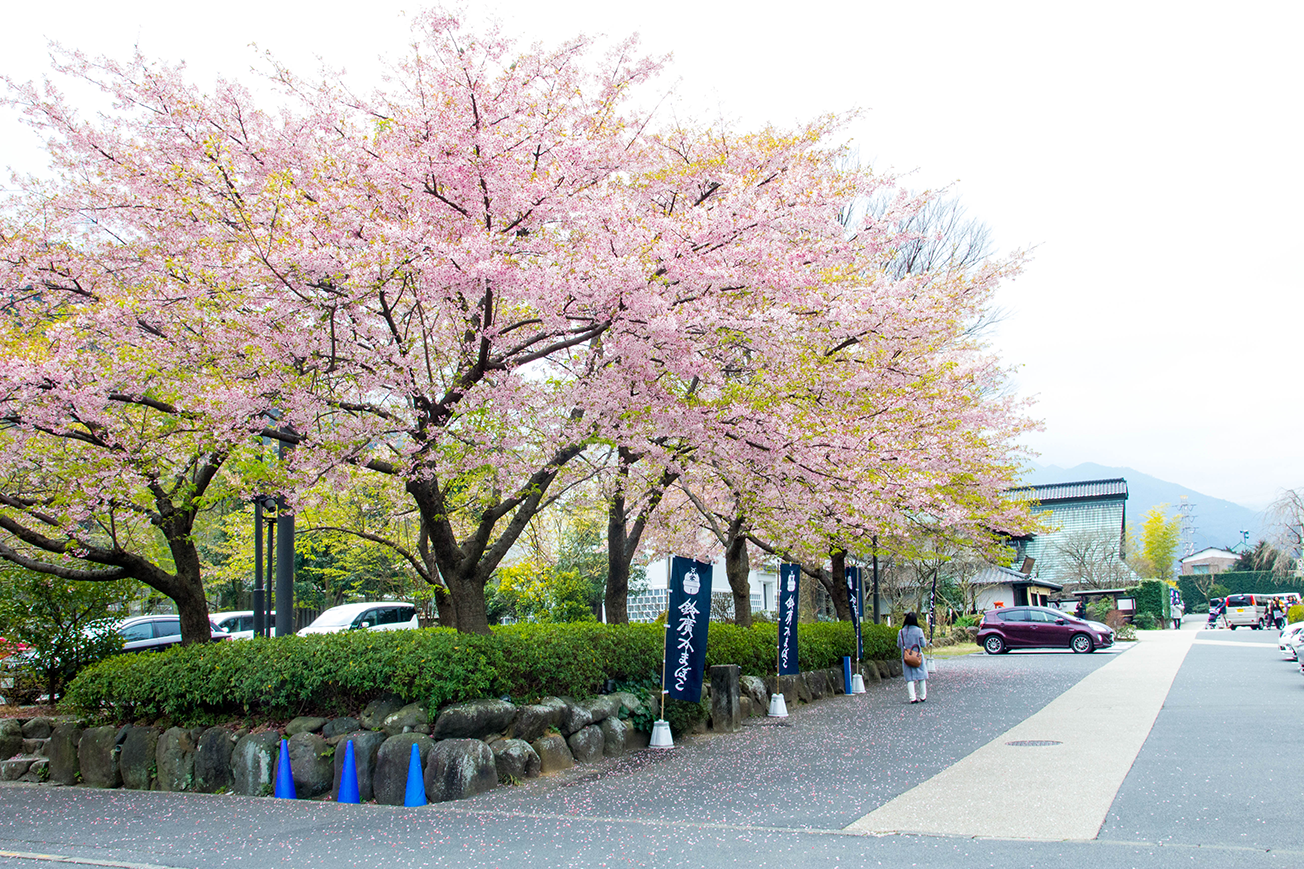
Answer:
(769, 796)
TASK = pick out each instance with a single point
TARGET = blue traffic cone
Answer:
(284, 778)
(348, 777)
(416, 784)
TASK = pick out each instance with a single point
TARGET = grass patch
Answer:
(955, 651)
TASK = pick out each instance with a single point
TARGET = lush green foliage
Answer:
(1295, 614)
(68, 626)
(1152, 599)
(1239, 582)
(1145, 621)
(1160, 536)
(335, 673)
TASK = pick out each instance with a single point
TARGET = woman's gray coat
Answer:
(909, 637)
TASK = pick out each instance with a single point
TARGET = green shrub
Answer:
(1098, 611)
(966, 621)
(330, 673)
(1152, 597)
(1144, 621)
(1295, 614)
(1125, 632)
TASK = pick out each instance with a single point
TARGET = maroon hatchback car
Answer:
(1029, 627)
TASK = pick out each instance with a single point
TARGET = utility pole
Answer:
(284, 561)
(873, 541)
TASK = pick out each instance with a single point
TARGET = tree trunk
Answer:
(616, 594)
(186, 586)
(836, 585)
(192, 607)
(623, 536)
(467, 565)
(466, 596)
(738, 569)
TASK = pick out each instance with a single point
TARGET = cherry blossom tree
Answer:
(491, 281)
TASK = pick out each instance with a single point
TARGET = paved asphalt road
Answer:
(1216, 784)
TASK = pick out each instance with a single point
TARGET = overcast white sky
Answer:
(1150, 152)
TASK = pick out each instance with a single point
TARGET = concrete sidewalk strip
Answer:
(1052, 792)
(1251, 645)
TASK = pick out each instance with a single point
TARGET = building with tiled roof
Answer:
(1086, 520)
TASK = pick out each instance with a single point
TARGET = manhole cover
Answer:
(1033, 743)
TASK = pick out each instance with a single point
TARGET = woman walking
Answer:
(911, 641)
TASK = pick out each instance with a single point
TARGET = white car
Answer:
(239, 623)
(1289, 638)
(380, 615)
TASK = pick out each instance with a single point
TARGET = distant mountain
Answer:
(1217, 522)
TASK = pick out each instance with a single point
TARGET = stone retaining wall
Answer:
(466, 749)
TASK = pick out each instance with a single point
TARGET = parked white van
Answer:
(385, 615)
(1246, 610)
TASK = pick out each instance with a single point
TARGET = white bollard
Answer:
(661, 737)
(778, 708)
(857, 684)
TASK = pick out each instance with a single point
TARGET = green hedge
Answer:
(337, 673)
(1239, 582)
(1152, 598)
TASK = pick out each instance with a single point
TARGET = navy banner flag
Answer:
(789, 583)
(854, 580)
(686, 628)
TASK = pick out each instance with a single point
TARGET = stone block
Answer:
(816, 683)
(11, 738)
(13, 770)
(39, 771)
(412, 718)
(34, 747)
(894, 666)
(726, 716)
(38, 728)
(213, 750)
(340, 726)
(573, 717)
(515, 760)
(138, 758)
(392, 759)
(366, 744)
(97, 754)
(253, 763)
(869, 670)
(613, 736)
(311, 764)
(174, 760)
(374, 714)
(884, 669)
(305, 724)
(554, 753)
(745, 708)
(628, 701)
(474, 719)
(535, 720)
(459, 768)
(586, 744)
(601, 707)
(65, 767)
(754, 687)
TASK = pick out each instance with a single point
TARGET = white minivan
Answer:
(385, 615)
(1246, 610)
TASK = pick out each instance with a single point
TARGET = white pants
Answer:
(923, 689)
